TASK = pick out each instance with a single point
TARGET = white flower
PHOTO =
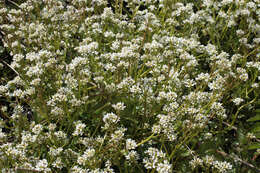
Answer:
(60, 134)
(52, 127)
(89, 153)
(156, 160)
(240, 32)
(4, 108)
(110, 118)
(42, 165)
(86, 156)
(209, 160)
(37, 129)
(2, 135)
(28, 137)
(130, 144)
(79, 128)
(132, 156)
(164, 167)
(251, 136)
(115, 45)
(55, 152)
(58, 163)
(119, 106)
(117, 135)
(222, 166)
(156, 129)
(237, 101)
(255, 85)
(243, 77)
(196, 162)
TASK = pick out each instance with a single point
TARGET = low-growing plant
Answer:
(130, 86)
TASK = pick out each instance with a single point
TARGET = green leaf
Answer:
(254, 146)
(241, 137)
(256, 129)
(255, 118)
(185, 154)
(257, 135)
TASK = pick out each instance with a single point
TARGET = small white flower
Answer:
(55, 152)
(132, 156)
(86, 156)
(79, 128)
(255, 85)
(209, 160)
(119, 106)
(243, 77)
(222, 166)
(110, 118)
(196, 162)
(37, 129)
(251, 136)
(60, 134)
(4, 108)
(164, 167)
(130, 144)
(42, 165)
(89, 153)
(2, 135)
(58, 163)
(237, 101)
(52, 127)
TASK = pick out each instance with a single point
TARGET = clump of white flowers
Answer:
(86, 156)
(79, 128)
(156, 160)
(119, 106)
(126, 85)
(42, 165)
(237, 101)
(130, 144)
(110, 118)
(210, 161)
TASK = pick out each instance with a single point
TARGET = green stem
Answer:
(241, 107)
(146, 140)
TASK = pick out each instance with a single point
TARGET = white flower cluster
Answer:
(237, 101)
(110, 118)
(42, 165)
(79, 128)
(156, 160)
(210, 161)
(130, 144)
(119, 106)
(112, 82)
(86, 156)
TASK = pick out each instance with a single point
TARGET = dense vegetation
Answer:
(129, 86)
